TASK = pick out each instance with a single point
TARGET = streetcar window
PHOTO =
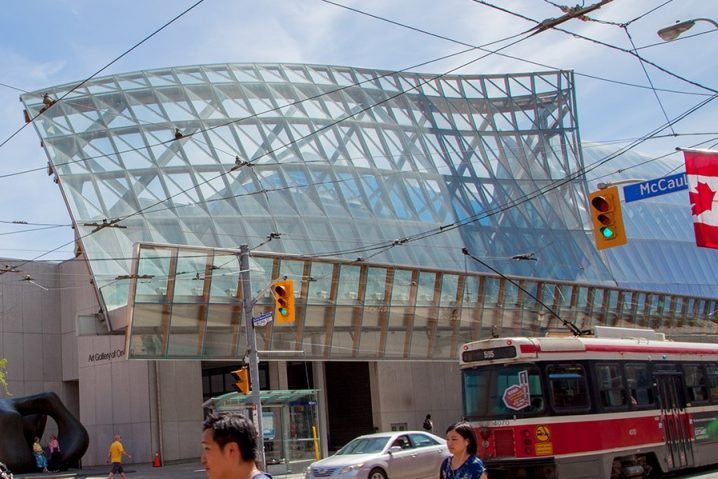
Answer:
(712, 374)
(502, 391)
(695, 382)
(639, 384)
(609, 378)
(569, 390)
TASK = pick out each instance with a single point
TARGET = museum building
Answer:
(374, 191)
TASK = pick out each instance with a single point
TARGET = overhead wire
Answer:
(112, 62)
(471, 47)
(645, 14)
(383, 246)
(322, 128)
(599, 42)
(506, 55)
(520, 200)
(13, 87)
(185, 190)
(223, 124)
(648, 77)
(313, 132)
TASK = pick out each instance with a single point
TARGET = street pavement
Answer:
(194, 470)
(180, 470)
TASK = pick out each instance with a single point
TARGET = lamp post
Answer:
(668, 34)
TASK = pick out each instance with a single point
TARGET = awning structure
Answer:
(186, 303)
(233, 401)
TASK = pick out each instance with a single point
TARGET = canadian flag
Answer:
(702, 174)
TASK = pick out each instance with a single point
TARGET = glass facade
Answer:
(363, 186)
(400, 168)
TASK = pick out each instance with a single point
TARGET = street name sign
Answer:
(263, 319)
(657, 187)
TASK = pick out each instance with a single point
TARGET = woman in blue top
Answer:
(463, 463)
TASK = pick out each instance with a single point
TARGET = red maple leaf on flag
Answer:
(702, 200)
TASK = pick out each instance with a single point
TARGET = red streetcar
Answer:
(620, 403)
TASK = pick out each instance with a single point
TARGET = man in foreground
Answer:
(229, 448)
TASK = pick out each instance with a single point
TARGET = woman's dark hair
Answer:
(234, 427)
(465, 430)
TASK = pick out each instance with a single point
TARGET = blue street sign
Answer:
(659, 186)
(263, 319)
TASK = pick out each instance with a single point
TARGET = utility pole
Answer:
(251, 348)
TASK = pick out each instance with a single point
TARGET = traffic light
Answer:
(607, 219)
(283, 292)
(242, 377)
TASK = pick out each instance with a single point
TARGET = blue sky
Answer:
(45, 43)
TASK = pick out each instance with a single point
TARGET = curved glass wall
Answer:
(400, 168)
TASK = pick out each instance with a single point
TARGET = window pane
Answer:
(610, 385)
(568, 387)
(639, 384)
(695, 382)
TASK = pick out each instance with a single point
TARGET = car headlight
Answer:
(351, 468)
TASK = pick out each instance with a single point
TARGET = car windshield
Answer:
(364, 445)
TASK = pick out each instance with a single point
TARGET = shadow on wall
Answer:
(23, 418)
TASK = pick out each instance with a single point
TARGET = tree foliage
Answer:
(3, 376)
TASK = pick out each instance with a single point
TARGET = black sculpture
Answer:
(23, 418)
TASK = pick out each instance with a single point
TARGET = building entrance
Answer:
(348, 402)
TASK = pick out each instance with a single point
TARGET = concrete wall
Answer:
(30, 333)
(405, 392)
(181, 408)
(114, 398)
(78, 298)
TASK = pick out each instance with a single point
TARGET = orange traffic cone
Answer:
(157, 462)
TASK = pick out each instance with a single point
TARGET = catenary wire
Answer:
(599, 42)
(433, 78)
(122, 55)
(412, 67)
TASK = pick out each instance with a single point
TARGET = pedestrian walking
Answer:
(463, 462)
(117, 450)
(229, 447)
(39, 453)
(428, 425)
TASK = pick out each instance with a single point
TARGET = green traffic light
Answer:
(283, 311)
(607, 232)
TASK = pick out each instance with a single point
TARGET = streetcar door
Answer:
(676, 426)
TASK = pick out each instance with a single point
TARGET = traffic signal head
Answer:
(242, 377)
(607, 219)
(283, 292)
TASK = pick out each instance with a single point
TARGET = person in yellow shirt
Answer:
(115, 456)
(39, 454)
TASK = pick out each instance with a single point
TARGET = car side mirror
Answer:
(393, 449)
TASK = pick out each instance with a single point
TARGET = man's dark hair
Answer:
(234, 427)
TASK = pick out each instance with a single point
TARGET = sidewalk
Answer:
(182, 470)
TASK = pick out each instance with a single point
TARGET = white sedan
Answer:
(384, 455)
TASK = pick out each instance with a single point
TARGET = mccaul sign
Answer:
(659, 186)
